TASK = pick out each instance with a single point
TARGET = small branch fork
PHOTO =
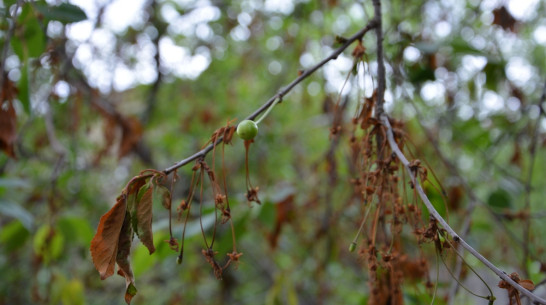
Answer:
(284, 91)
(450, 231)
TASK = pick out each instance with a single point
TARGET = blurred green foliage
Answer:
(473, 80)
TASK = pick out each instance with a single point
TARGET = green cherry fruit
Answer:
(247, 130)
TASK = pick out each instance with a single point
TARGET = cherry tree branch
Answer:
(284, 91)
(445, 225)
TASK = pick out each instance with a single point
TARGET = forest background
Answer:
(94, 92)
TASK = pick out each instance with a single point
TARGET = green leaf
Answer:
(499, 199)
(76, 229)
(29, 39)
(48, 243)
(13, 236)
(130, 292)
(64, 13)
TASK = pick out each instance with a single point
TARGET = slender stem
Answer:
(445, 225)
(268, 110)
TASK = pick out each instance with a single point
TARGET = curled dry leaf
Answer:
(104, 246)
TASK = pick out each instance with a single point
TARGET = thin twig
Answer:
(381, 82)
(443, 223)
(203, 152)
(527, 207)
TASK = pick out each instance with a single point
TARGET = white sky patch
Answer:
(540, 35)
(121, 14)
(519, 71)
(62, 89)
(124, 78)
(470, 66)
(180, 62)
(336, 74)
(307, 60)
(171, 54)
(341, 24)
(433, 93)
(465, 112)
(492, 102)
(412, 54)
(442, 29)
(279, 6)
(523, 9)
(83, 55)
(513, 103)
(79, 31)
(90, 7)
(244, 19)
(356, 12)
(99, 75)
(104, 40)
(169, 12)
(240, 33)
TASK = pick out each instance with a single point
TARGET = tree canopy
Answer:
(391, 152)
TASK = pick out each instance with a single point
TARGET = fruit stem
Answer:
(268, 110)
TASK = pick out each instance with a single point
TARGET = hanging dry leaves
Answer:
(104, 246)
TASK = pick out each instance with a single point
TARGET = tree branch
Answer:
(449, 230)
(203, 152)
(381, 82)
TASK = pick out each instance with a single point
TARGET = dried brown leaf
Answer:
(527, 284)
(104, 246)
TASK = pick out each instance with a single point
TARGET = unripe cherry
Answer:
(247, 130)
